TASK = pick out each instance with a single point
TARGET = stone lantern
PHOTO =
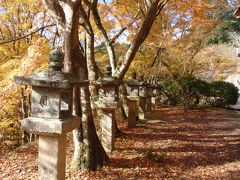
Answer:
(132, 98)
(150, 88)
(154, 90)
(155, 87)
(142, 87)
(132, 86)
(51, 115)
(143, 95)
(150, 95)
(108, 87)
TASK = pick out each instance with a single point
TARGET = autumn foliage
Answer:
(189, 45)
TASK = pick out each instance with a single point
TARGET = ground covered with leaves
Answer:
(170, 144)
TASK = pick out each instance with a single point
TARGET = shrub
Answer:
(171, 90)
(184, 91)
(224, 93)
(189, 91)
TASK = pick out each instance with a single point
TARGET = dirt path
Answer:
(199, 144)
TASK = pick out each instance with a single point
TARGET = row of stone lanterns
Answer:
(132, 98)
(51, 110)
(141, 98)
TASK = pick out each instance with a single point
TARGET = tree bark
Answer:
(91, 154)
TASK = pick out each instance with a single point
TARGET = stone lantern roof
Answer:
(142, 82)
(54, 77)
(108, 79)
(133, 81)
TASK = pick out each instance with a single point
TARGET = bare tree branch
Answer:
(140, 8)
(109, 47)
(87, 25)
(124, 6)
(161, 6)
(29, 34)
(56, 11)
(160, 49)
(123, 29)
(112, 41)
(139, 38)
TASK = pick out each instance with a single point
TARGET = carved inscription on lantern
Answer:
(45, 103)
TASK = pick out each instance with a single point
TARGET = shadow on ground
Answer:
(196, 143)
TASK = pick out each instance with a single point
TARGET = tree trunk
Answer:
(88, 152)
(25, 112)
(91, 154)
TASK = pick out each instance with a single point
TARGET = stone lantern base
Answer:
(52, 144)
(142, 108)
(153, 103)
(148, 104)
(50, 126)
(52, 156)
(108, 121)
(133, 103)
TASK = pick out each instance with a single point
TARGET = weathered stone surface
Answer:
(142, 108)
(45, 103)
(107, 118)
(52, 157)
(107, 125)
(107, 94)
(153, 103)
(142, 91)
(142, 103)
(141, 114)
(154, 91)
(51, 103)
(107, 102)
(148, 104)
(125, 105)
(54, 77)
(108, 87)
(132, 90)
(111, 105)
(133, 98)
(132, 113)
(132, 85)
(142, 87)
(150, 91)
(45, 79)
(53, 126)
